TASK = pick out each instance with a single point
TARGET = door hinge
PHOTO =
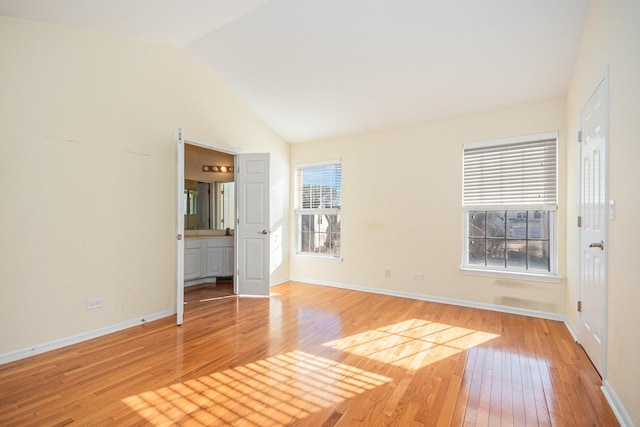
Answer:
(179, 236)
(579, 136)
(579, 221)
(579, 306)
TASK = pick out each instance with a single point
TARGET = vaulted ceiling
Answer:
(313, 69)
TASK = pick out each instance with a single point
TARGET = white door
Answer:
(252, 231)
(593, 231)
(179, 142)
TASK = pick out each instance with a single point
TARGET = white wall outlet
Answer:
(387, 273)
(418, 276)
(94, 303)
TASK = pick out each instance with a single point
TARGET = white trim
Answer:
(179, 225)
(571, 329)
(210, 145)
(616, 405)
(279, 282)
(319, 257)
(512, 140)
(510, 274)
(452, 301)
(202, 281)
(63, 342)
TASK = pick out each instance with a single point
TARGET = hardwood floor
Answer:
(315, 356)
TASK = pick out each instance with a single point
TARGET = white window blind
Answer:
(514, 173)
(319, 186)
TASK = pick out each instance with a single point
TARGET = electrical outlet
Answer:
(418, 276)
(387, 273)
(94, 303)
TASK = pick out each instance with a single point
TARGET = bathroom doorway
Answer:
(209, 211)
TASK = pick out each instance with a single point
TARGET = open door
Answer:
(252, 231)
(179, 143)
(594, 246)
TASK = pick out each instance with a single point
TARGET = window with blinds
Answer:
(318, 199)
(514, 173)
(509, 198)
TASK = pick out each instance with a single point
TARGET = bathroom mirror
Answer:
(208, 205)
(209, 195)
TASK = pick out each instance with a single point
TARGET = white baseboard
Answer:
(63, 342)
(196, 282)
(571, 329)
(452, 301)
(616, 405)
(279, 282)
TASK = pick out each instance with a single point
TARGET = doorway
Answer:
(209, 209)
(593, 221)
(247, 260)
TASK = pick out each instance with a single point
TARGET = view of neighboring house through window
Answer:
(510, 204)
(318, 192)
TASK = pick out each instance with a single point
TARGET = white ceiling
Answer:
(313, 69)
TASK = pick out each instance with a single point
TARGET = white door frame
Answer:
(604, 80)
(180, 139)
(179, 147)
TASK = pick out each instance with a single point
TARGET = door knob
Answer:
(265, 232)
(598, 245)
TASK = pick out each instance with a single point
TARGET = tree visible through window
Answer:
(318, 203)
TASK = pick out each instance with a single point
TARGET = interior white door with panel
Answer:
(593, 225)
(252, 231)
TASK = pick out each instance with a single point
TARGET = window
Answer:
(318, 193)
(510, 204)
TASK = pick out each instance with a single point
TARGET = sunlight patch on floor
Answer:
(274, 391)
(217, 298)
(413, 343)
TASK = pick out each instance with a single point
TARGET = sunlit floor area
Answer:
(313, 356)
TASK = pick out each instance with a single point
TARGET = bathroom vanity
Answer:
(207, 258)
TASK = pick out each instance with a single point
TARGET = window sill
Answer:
(326, 258)
(533, 277)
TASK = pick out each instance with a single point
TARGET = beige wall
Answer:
(84, 118)
(83, 115)
(402, 208)
(612, 37)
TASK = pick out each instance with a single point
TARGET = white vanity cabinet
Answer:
(208, 258)
(219, 257)
(192, 259)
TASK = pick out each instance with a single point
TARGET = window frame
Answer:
(299, 212)
(493, 271)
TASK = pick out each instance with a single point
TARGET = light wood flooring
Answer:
(313, 356)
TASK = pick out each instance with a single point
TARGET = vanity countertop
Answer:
(205, 234)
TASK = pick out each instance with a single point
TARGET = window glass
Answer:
(318, 191)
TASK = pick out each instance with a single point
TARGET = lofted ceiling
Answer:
(314, 69)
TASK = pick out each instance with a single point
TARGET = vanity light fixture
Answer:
(221, 169)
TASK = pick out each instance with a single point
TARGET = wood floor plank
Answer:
(312, 356)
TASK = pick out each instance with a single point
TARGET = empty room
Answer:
(321, 213)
